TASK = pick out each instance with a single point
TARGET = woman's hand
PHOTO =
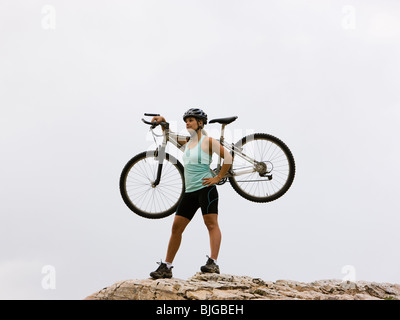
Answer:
(158, 119)
(211, 181)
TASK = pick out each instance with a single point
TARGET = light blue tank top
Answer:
(197, 166)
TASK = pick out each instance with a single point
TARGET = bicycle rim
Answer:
(137, 188)
(279, 164)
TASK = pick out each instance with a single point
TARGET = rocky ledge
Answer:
(229, 287)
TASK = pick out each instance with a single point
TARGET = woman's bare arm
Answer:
(223, 153)
(162, 119)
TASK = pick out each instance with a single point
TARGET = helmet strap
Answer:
(198, 126)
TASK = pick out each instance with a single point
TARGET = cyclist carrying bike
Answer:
(201, 191)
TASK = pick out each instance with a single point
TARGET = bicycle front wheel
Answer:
(141, 195)
(275, 172)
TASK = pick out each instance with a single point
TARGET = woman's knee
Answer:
(179, 225)
(211, 222)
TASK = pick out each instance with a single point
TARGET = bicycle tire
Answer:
(290, 163)
(125, 193)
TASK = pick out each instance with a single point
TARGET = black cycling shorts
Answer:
(206, 198)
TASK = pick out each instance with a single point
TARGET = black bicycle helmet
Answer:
(196, 113)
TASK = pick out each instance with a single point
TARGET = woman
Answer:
(200, 192)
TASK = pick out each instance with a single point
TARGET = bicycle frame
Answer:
(255, 166)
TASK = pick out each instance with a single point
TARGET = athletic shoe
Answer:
(162, 272)
(210, 266)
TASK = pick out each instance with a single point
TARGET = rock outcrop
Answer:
(229, 287)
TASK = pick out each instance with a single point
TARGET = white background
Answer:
(77, 76)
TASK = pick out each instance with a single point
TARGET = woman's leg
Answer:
(178, 227)
(211, 221)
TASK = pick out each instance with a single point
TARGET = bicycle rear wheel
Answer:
(138, 192)
(274, 157)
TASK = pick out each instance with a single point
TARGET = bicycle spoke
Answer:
(140, 190)
(275, 159)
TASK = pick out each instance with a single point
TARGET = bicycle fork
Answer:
(160, 156)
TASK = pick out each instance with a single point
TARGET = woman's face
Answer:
(191, 124)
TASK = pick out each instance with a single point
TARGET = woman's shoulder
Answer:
(211, 141)
(207, 144)
(207, 140)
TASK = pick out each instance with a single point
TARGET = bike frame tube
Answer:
(235, 153)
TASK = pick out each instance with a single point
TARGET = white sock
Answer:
(169, 265)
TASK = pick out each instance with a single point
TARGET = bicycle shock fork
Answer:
(160, 157)
(160, 154)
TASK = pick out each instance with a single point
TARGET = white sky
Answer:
(323, 76)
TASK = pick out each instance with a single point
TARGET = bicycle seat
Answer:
(223, 120)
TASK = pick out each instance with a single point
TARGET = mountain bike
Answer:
(152, 182)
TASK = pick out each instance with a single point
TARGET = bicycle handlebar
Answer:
(155, 124)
